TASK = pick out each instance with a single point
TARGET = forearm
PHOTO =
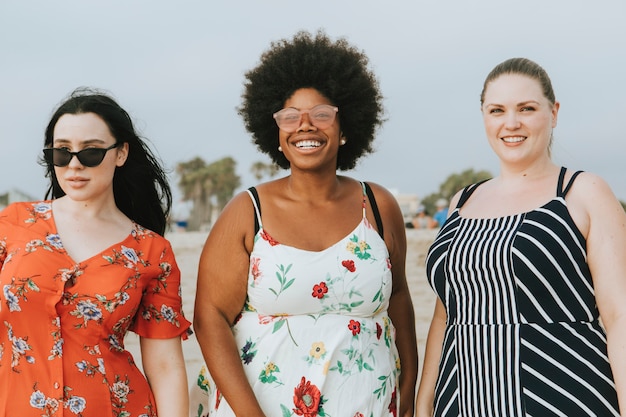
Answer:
(616, 347)
(221, 356)
(430, 367)
(164, 366)
(403, 318)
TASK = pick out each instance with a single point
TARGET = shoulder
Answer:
(382, 194)
(588, 182)
(589, 190)
(26, 209)
(387, 203)
(591, 201)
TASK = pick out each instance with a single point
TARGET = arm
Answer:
(220, 296)
(606, 249)
(164, 366)
(400, 305)
(432, 357)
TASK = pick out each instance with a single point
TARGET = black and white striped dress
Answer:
(522, 336)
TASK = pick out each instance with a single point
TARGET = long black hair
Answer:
(140, 186)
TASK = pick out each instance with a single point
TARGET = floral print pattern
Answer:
(62, 323)
(314, 336)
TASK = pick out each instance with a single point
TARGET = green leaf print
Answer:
(359, 248)
(282, 279)
(285, 410)
(386, 380)
(267, 375)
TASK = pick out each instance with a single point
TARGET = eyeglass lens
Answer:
(89, 157)
(321, 116)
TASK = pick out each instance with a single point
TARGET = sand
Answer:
(188, 245)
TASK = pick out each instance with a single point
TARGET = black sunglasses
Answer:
(90, 157)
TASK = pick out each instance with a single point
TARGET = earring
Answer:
(342, 141)
(280, 148)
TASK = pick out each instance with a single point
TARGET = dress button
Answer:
(56, 385)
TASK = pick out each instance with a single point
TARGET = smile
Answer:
(308, 144)
(514, 139)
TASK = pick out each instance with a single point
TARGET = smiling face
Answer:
(310, 147)
(518, 119)
(76, 132)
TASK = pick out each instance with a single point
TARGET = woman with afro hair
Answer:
(302, 306)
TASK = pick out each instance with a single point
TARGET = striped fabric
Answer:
(523, 336)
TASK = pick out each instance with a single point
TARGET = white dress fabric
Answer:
(314, 336)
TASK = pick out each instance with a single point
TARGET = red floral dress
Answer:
(62, 323)
(314, 337)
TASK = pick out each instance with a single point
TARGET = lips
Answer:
(76, 180)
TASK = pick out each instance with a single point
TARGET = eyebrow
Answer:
(83, 142)
(521, 103)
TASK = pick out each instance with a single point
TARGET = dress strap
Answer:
(467, 192)
(370, 194)
(254, 196)
(560, 191)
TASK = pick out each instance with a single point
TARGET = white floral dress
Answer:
(314, 337)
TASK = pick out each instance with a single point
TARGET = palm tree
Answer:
(208, 187)
(260, 169)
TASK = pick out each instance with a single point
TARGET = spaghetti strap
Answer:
(560, 191)
(370, 195)
(467, 193)
(254, 196)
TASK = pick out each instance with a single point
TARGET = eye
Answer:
(527, 108)
(491, 111)
(291, 116)
(322, 114)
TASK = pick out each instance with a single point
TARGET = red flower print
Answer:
(355, 327)
(358, 414)
(379, 331)
(319, 290)
(268, 238)
(254, 268)
(349, 265)
(392, 405)
(389, 263)
(307, 399)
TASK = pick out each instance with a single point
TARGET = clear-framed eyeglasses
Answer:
(321, 116)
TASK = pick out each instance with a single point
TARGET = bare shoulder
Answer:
(381, 193)
(591, 201)
(385, 200)
(236, 220)
(589, 190)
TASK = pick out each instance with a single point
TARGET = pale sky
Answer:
(178, 67)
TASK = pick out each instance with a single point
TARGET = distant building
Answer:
(13, 196)
(408, 204)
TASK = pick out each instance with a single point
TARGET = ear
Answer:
(555, 113)
(122, 154)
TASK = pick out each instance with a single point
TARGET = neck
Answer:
(538, 170)
(300, 185)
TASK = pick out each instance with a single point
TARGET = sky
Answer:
(178, 68)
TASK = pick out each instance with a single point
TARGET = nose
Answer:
(512, 121)
(74, 162)
(305, 123)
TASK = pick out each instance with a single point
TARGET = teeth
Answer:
(514, 139)
(307, 144)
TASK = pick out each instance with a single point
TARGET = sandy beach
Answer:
(187, 247)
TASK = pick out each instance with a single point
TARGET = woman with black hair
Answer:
(302, 305)
(82, 268)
